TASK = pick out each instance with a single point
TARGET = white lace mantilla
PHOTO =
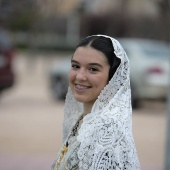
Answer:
(105, 136)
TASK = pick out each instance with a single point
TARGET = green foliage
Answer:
(23, 21)
(18, 14)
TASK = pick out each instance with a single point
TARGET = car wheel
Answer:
(59, 88)
(135, 103)
(134, 99)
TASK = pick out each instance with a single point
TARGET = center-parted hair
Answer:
(105, 46)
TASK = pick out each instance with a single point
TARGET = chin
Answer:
(80, 99)
(84, 100)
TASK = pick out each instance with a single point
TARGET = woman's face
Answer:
(88, 74)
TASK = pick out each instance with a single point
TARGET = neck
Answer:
(87, 108)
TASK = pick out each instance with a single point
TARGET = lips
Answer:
(81, 87)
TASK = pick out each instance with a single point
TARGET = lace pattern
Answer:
(105, 136)
(70, 160)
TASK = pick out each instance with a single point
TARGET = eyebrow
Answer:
(92, 64)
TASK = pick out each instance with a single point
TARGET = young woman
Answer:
(97, 129)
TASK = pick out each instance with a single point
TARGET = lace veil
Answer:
(105, 136)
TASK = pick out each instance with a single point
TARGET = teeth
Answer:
(81, 87)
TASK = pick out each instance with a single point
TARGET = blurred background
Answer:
(37, 39)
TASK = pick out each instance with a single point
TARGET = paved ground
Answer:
(31, 121)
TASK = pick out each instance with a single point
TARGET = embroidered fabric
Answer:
(105, 136)
(67, 157)
(70, 159)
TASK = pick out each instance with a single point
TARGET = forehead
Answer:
(88, 54)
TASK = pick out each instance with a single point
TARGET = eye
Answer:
(75, 66)
(93, 69)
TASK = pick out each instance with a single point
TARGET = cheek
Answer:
(71, 76)
(102, 81)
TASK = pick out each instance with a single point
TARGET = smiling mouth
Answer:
(81, 87)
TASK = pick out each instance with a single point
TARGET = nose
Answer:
(81, 75)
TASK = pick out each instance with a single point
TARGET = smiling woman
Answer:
(88, 76)
(97, 130)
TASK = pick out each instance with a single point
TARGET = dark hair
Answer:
(105, 46)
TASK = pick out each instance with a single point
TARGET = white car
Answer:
(149, 65)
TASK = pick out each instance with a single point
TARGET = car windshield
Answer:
(155, 50)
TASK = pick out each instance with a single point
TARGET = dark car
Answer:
(6, 60)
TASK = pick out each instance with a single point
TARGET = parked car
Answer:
(149, 66)
(6, 61)
(59, 78)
